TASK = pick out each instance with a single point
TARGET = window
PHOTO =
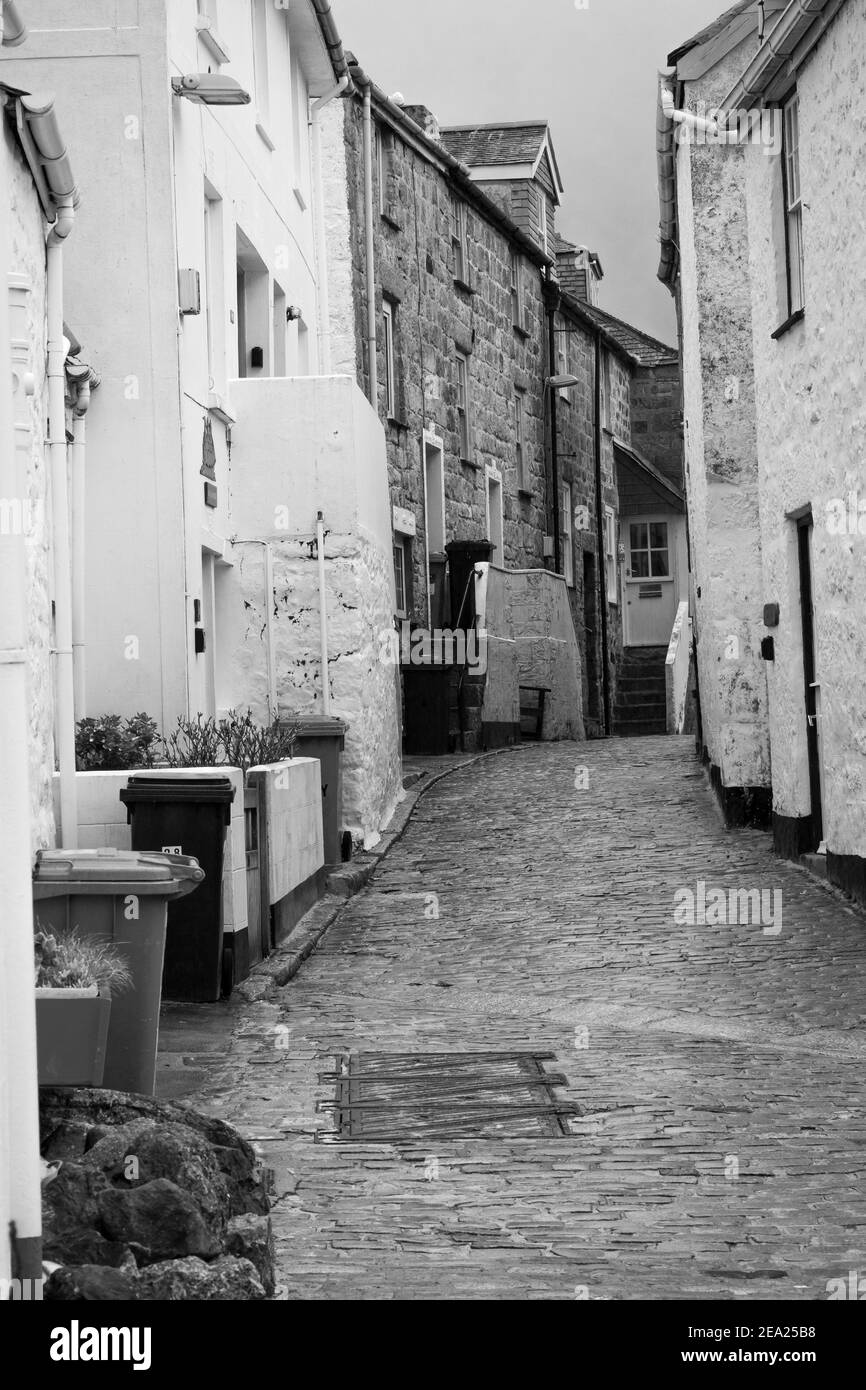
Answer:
(649, 550)
(460, 259)
(610, 554)
(564, 392)
(215, 293)
(567, 535)
(401, 572)
(793, 204)
(542, 220)
(606, 412)
(463, 430)
(517, 290)
(388, 313)
(520, 440)
(280, 330)
(259, 10)
(384, 150)
(494, 517)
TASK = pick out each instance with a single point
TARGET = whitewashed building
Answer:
(219, 434)
(762, 172)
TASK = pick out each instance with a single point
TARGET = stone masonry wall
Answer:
(434, 318)
(657, 418)
(28, 329)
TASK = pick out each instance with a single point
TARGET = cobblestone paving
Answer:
(721, 1142)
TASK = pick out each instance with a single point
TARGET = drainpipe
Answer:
(85, 380)
(321, 233)
(14, 31)
(599, 518)
(20, 1218)
(65, 709)
(361, 80)
(323, 613)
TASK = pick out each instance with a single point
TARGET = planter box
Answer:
(71, 1036)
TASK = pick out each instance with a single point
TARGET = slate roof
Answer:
(517, 143)
(711, 30)
(641, 347)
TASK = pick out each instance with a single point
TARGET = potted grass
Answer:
(75, 977)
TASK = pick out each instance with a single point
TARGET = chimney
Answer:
(423, 117)
(579, 271)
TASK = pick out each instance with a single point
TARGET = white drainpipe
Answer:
(323, 614)
(86, 381)
(686, 118)
(65, 707)
(321, 232)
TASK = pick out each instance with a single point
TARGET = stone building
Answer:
(220, 432)
(445, 278)
(619, 461)
(762, 183)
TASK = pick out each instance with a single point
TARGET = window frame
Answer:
(567, 519)
(793, 208)
(459, 241)
(384, 167)
(610, 557)
(261, 59)
(544, 228)
(402, 570)
(389, 321)
(650, 550)
(520, 452)
(464, 406)
(518, 314)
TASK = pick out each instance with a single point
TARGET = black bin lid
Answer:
(147, 787)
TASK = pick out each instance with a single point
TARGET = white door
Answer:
(652, 581)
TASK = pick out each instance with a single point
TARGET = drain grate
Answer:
(392, 1098)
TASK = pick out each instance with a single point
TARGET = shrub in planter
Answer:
(112, 744)
(236, 741)
(74, 978)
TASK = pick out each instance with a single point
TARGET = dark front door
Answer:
(804, 543)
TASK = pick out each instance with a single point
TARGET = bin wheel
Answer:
(228, 981)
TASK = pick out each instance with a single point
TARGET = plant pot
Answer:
(71, 1036)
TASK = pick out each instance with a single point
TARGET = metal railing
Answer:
(677, 666)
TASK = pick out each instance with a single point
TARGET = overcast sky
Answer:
(591, 71)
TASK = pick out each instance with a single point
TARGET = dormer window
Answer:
(542, 221)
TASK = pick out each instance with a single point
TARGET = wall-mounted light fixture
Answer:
(293, 313)
(210, 89)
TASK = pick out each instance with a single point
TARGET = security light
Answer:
(562, 382)
(210, 89)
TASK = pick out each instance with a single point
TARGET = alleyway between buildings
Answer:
(717, 1143)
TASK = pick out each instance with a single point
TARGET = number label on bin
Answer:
(172, 849)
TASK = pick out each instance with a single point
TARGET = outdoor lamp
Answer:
(562, 382)
(210, 89)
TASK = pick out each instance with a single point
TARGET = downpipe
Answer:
(321, 234)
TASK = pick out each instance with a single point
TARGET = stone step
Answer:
(640, 728)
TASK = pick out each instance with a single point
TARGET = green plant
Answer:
(65, 960)
(112, 744)
(236, 741)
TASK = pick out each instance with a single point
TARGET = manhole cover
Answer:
(391, 1098)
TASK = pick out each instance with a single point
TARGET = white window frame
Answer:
(794, 255)
(388, 315)
(401, 568)
(520, 439)
(542, 220)
(518, 317)
(261, 66)
(383, 167)
(610, 556)
(464, 407)
(568, 534)
(459, 246)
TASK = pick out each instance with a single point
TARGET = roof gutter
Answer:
(13, 30)
(783, 51)
(45, 152)
(666, 159)
(330, 34)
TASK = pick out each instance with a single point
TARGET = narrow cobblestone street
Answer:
(718, 1151)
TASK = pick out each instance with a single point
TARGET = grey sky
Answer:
(592, 72)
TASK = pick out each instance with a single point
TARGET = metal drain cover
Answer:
(392, 1098)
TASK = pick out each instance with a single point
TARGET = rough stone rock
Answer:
(251, 1238)
(106, 1147)
(71, 1201)
(82, 1246)
(160, 1217)
(91, 1284)
(164, 1151)
(228, 1280)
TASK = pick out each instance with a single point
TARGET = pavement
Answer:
(701, 1132)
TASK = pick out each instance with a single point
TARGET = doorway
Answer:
(812, 689)
(652, 579)
(494, 517)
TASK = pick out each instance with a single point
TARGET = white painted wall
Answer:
(32, 512)
(810, 389)
(301, 446)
